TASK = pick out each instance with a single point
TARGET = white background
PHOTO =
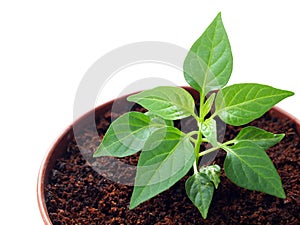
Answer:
(47, 46)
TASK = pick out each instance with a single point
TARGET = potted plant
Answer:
(167, 158)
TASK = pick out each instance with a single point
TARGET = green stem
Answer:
(199, 138)
(233, 141)
(195, 167)
(193, 140)
(192, 133)
(202, 98)
(205, 140)
(223, 146)
(195, 116)
(213, 115)
(197, 147)
(209, 151)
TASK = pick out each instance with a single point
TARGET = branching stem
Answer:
(209, 151)
(199, 137)
(197, 146)
(220, 146)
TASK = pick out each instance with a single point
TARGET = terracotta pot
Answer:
(59, 147)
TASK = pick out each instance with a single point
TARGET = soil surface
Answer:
(77, 194)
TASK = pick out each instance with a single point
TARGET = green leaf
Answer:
(209, 130)
(157, 120)
(208, 65)
(239, 104)
(200, 191)
(166, 157)
(258, 136)
(169, 103)
(213, 173)
(126, 135)
(248, 166)
(208, 104)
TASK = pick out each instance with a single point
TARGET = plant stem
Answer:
(199, 138)
(223, 146)
(202, 98)
(213, 115)
(209, 151)
(195, 167)
(195, 116)
(205, 140)
(197, 147)
(233, 141)
(193, 140)
(192, 133)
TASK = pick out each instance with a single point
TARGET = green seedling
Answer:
(168, 154)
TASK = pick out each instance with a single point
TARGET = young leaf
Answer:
(200, 191)
(208, 65)
(213, 173)
(126, 135)
(258, 136)
(169, 103)
(239, 104)
(209, 130)
(208, 104)
(248, 166)
(166, 157)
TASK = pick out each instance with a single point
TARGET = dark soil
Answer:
(76, 194)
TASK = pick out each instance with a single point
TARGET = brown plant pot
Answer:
(60, 145)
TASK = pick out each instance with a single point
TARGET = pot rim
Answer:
(44, 164)
(67, 134)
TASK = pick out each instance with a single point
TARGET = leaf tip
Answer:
(290, 93)
(98, 154)
(101, 151)
(203, 212)
(279, 136)
(281, 193)
(219, 17)
(131, 207)
(287, 93)
(133, 204)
